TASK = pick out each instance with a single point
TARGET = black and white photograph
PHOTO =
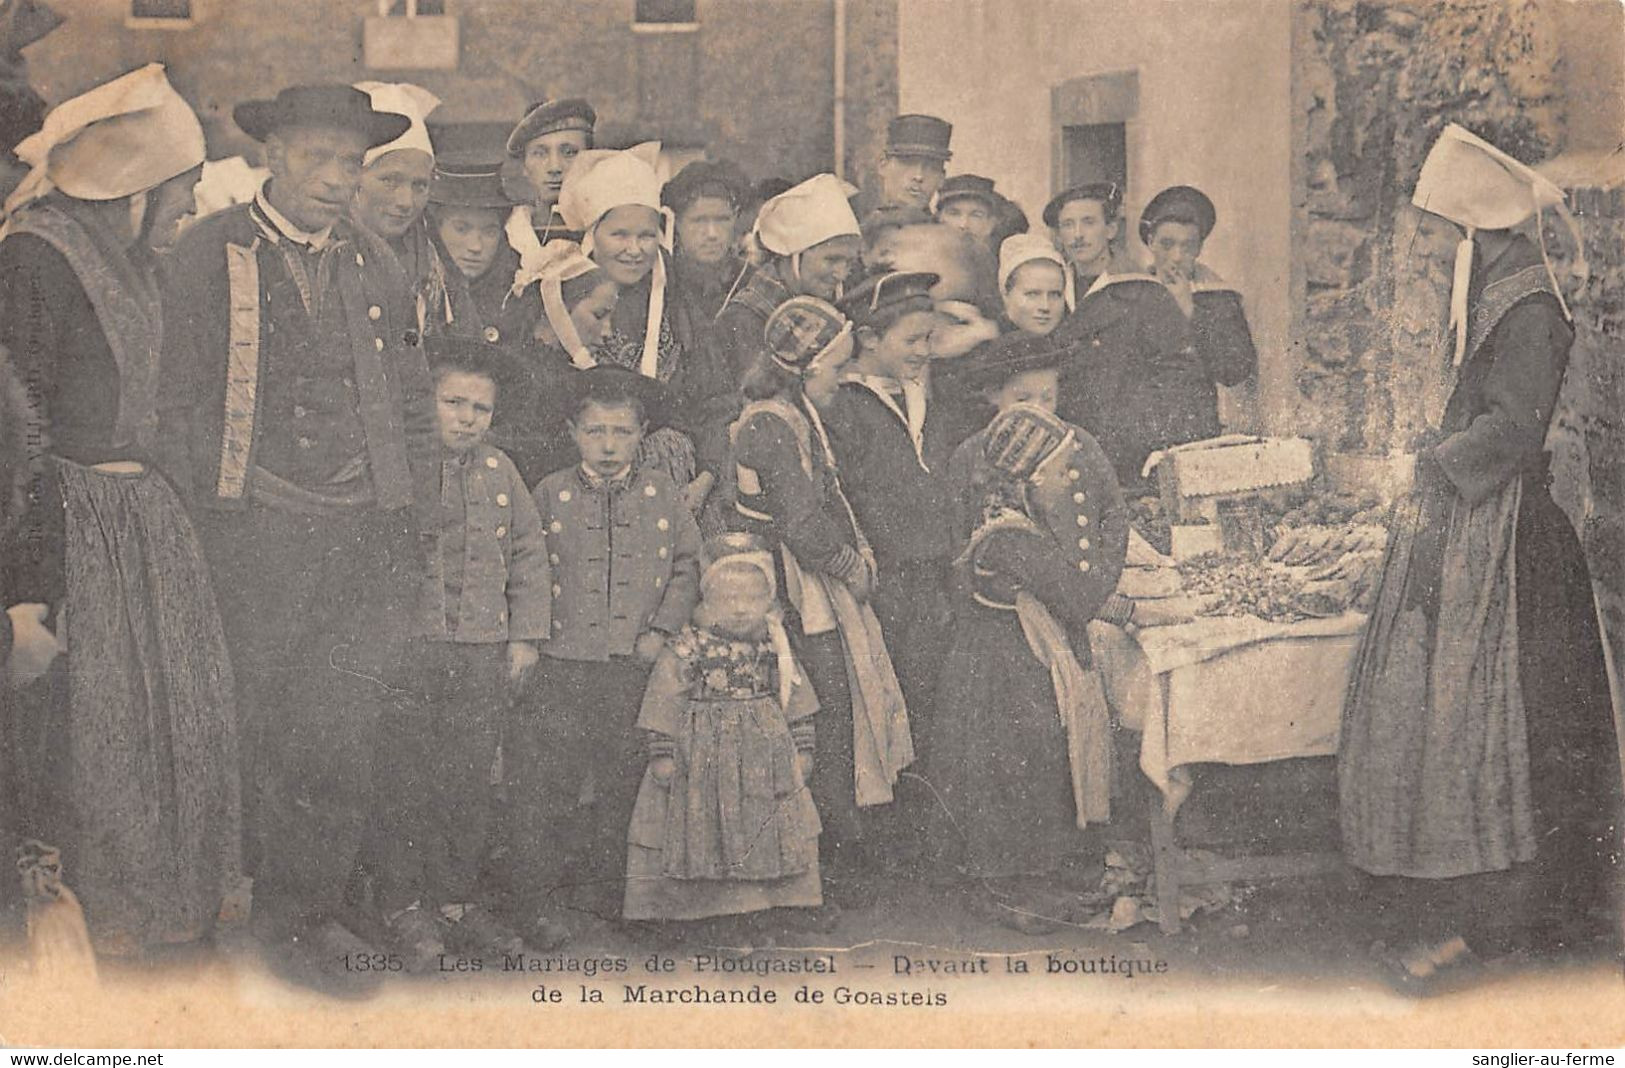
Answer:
(585, 523)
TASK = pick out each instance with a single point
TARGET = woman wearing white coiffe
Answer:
(1478, 736)
(394, 192)
(125, 754)
(613, 198)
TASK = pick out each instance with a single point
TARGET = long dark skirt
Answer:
(125, 756)
(999, 763)
(1435, 796)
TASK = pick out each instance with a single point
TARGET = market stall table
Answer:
(1225, 690)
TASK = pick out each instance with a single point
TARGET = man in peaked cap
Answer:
(912, 165)
(1174, 226)
(1128, 382)
(546, 141)
(967, 202)
(299, 416)
(1498, 802)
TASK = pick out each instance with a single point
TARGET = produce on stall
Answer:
(1281, 545)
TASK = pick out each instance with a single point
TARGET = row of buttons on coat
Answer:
(1073, 475)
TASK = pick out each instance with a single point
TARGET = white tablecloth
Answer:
(1227, 690)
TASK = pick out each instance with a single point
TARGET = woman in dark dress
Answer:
(1022, 758)
(788, 492)
(125, 754)
(1479, 754)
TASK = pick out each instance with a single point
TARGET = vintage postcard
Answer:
(812, 523)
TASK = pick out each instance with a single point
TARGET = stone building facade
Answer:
(1306, 119)
(750, 80)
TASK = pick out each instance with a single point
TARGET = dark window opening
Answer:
(680, 12)
(1097, 152)
(161, 9)
(411, 9)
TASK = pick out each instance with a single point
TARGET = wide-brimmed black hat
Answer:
(343, 106)
(469, 185)
(1106, 193)
(475, 353)
(550, 116)
(1184, 203)
(968, 187)
(706, 178)
(608, 384)
(918, 137)
(1006, 356)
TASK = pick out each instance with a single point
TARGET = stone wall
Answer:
(1374, 83)
(1588, 440)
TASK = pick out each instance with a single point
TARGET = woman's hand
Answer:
(522, 656)
(662, 768)
(33, 644)
(804, 766)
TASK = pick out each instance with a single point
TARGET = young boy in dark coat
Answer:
(625, 552)
(486, 605)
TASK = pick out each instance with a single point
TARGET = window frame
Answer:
(411, 11)
(160, 22)
(665, 27)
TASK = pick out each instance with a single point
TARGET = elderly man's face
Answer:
(315, 171)
(910, 181)
(394, 191)
(547, 158)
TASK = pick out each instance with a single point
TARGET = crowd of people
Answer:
(697, 554)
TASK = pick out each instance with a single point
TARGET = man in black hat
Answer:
(1174, 226)
(967, 202)
(296, 412)
(1133, 353)
(706, 197)
(912, 166)
(546, 141)
(467, 208)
